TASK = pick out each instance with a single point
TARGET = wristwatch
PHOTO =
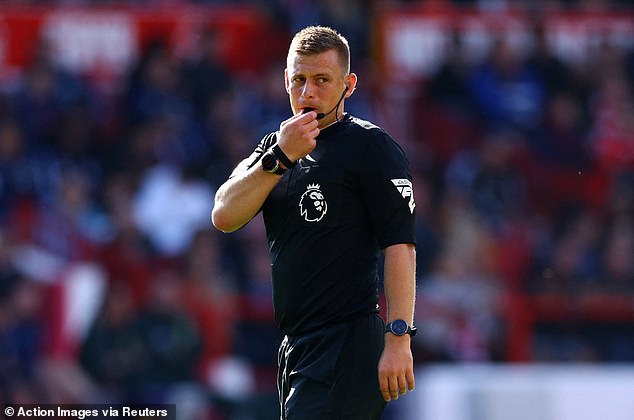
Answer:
(270, 163)
(400, 327)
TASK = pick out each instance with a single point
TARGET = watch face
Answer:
(399, 327)
(269, 162)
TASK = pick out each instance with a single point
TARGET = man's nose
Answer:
(309, 90)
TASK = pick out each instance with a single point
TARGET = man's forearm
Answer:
(400, 281)
(241, 197)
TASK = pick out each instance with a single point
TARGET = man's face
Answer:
(316, 81)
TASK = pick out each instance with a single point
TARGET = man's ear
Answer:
(287, 84)
(351, 83)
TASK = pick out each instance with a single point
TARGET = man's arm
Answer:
(396, 366)
(241, 197)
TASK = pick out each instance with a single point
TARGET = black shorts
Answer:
(332, 373)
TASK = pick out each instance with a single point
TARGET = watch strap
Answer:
(277, 150)
(279, 171)
(412, 331)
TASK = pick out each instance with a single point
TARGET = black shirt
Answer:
(327, 220)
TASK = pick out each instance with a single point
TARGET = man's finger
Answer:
(402, 384)
(393, 381)
(384, 386)
(410, 379)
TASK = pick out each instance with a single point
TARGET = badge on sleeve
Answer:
(404, 187)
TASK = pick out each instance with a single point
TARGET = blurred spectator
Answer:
(76, 144)
(157, 101)
(506, 91)
(18, 172)
(620, 201)
(213, 149)
(210, 296)
(562, 141)
(447, 107)
(567, 264)
(449, 85)
(488, 178)
(171, 341)
(21, 333)
(557, 76)
(617, 259)
(205, 77)
(42, 96)
(152, 74)
(71, 227)
(613, 112)
(113, 353)
(128, 257)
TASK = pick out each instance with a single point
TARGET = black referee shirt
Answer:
(327, 220)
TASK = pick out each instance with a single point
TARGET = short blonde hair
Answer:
(318, 39)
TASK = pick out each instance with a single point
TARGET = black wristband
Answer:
(282, 157)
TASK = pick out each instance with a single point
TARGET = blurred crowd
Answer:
(527, 164)
(115, 287)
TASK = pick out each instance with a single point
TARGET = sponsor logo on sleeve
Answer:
(404, 187)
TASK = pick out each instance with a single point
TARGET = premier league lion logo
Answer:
(313, 205)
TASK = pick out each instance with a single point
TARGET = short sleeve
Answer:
(386, 185)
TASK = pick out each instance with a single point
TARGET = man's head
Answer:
(318, 74)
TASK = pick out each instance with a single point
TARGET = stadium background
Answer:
(119, 119)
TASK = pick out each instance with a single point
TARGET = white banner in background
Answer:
(521, 392)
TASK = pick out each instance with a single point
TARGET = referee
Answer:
(334, 192)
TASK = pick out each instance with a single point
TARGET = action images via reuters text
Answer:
(84, 412)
